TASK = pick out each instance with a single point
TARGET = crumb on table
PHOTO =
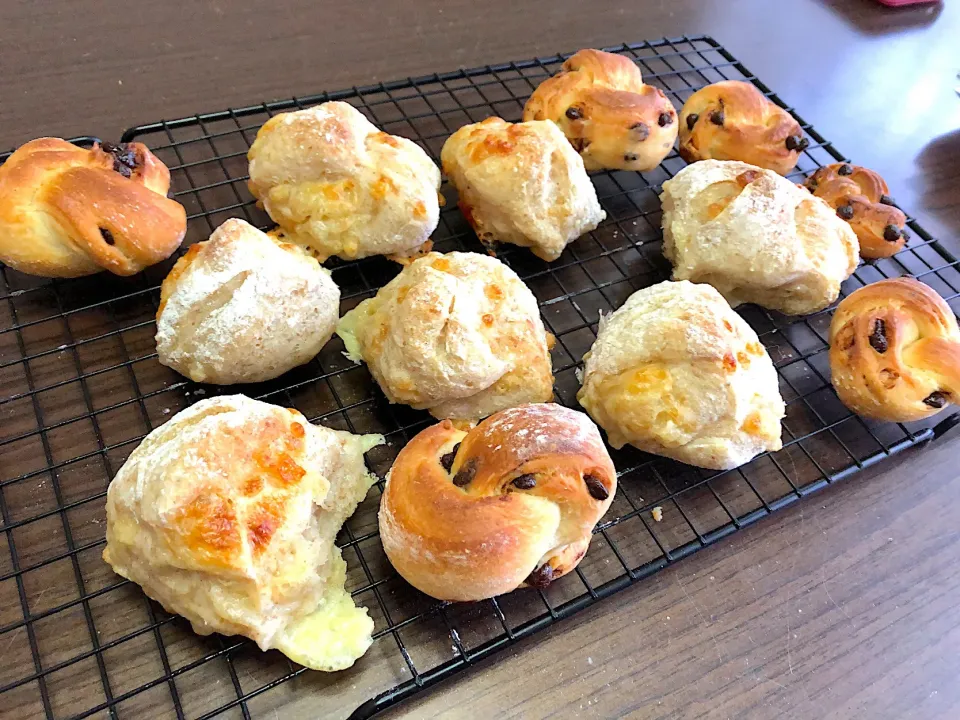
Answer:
(657, 513)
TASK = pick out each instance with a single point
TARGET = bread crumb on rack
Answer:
(657, 513)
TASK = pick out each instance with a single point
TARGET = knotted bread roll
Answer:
(676, 372)
(599, 101)
(860, 197)
(470, 515)
(67, 212)
(337, 185)
(895, 351)
(733, 120)
(458, 334)
(227, 515)
(242, 308)
(521, 183)
(756, 237)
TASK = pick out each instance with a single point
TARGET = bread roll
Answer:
(241, 308)
(470, 515)
(227, 515)
(611, 118)
(676, 372)
(756, 237)
(860, 197)
(66, 211)
(459, 335)
(895, 351)
(337, 185)
(733, 120)
(521, 184)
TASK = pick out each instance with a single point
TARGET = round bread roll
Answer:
(756, 237)
(860, 197)
(611, 118)
(733, 120)
(459, 335)
(337, 185)
(513, 502)
(241, 308)
(895, 351)
(227, 515)
(522, 184)
(67, 212)
(676, 372)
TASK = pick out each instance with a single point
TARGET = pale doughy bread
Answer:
(459, 335)
(227, 515)
(677, 372)
(521, 183)
(337, 185)
(470, 515)
(756, 237)
(243, 308)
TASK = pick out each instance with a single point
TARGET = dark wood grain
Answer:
(842, 606)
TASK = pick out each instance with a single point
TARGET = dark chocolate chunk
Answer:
(717, 117)
(891, 233)
(124, 158)
(447, 460)
(887, 200)
(845, 211)
(107, 236)
(845, 169)
(541, 577)
(466, 473)
(878, 338)
(797, 142)
(692, 120)
(937, 399)
(630, 157)
(596, 487)
(574, 113)
(640, 130)
(664, 119)
(524, 482)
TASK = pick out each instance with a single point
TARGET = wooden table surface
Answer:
(844, 605)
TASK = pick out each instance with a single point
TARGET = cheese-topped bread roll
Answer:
(227, 515)
(676, 372)
(337, 185)
(521, 183)
(242, 308)
(756, 237)
(459, 335)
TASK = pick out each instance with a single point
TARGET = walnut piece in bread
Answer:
(895, 351)
(756, 237)
(521, 183)
(458, 334)
(337, 185)
(66, 211)
(733, 120)
(227, 515)
(242, 308)
(600, 102)
(860, 196)
(676, 372)
(468, 515)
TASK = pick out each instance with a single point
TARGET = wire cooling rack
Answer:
(80, 386)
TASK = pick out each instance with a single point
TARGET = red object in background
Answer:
(898, 3)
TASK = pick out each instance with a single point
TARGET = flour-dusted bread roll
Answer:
(66, 211)
(522, 184)
(227, 515)
(895, 351)
(733, 120)
(676, 372)
(242, 308)
(470, 515)
(337, 185)
(459, 335)
(599, 101)
(756, 237)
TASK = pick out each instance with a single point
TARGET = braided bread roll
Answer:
(470, 515)
(599, 101)
(895, 351)
(67, 212)
(733, 120)
(860, 197)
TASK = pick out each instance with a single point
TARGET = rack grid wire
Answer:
(80, 385)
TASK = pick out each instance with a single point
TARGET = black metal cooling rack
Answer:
(80, 386)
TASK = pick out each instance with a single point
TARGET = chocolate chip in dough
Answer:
(595, 487)
(692, 120)
(887, 200)
(717, 117)
(878, 338)
(845, 169)
(447, 460)
(541, 577)
(798, 143)
(574, 113)
(664, 119)
(845, 211)
(937, 399)
(107, 236)
(524, 482)
(640, 130)
(630, 157)
(891, 233)
(124, 158)
(466, 473)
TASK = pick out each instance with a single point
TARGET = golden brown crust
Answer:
(733, 120)
(470, 515)
(66, 211)
(860, 197)
(599, 101)
(895, 351)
